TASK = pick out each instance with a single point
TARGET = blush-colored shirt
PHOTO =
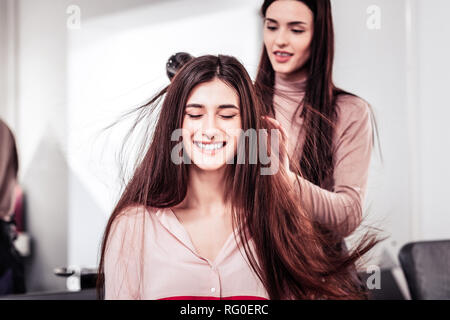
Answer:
(150, 256)
(339, 204)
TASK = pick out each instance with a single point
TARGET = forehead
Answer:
(212, 94)
(285, 11)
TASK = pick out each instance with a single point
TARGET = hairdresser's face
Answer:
(211, 125)
(288, 32)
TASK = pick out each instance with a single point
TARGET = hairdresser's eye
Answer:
(271, 28)
(297, 31)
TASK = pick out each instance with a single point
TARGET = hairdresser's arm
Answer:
(341, 208)
(122, 258)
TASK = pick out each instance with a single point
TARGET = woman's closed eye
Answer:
(228, 116)
(223, 116)
(194, 116)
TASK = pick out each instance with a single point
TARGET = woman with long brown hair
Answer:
(330, 131)
(190, 207)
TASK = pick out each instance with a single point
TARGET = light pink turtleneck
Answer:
(340, 205)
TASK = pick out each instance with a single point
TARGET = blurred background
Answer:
(68, 69)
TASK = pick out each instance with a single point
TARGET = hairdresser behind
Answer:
(11, 265)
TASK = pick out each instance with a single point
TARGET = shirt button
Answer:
(213, 290)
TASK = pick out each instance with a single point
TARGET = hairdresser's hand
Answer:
(283, 146)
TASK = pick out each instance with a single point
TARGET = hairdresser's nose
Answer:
(281, 39)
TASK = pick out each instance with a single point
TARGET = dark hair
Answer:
(291, 257)
(319, 110)
(176, 62)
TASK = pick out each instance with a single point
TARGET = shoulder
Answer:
(135, 211)
(352, 107)
(131, 222)
(354, 115)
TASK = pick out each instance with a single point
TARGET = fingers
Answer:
(277, 125)
(284, 138)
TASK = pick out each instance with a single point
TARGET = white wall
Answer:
(3, 52)
(41, 120)
(371, 64)
(7, 56)
(402, 69)
(433, 30)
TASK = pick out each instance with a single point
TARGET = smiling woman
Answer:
(288, 32)
(212, 125)
(210, 229)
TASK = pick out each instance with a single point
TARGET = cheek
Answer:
(268, 40)
(304, 46)
(187, 142)
(235, 130)
(188, 130)
(232, 127)
(190, 127)
(306, 54)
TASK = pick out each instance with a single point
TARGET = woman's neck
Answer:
(206, 191)
(295, 82)
(290, 88)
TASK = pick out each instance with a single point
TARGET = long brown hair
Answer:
(319, 112)
(291, 257)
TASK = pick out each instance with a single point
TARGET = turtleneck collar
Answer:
(291, 83)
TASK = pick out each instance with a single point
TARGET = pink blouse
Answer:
(339, 204)
(150, 255)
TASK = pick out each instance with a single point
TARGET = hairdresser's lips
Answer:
(282, 56)
(210, 148)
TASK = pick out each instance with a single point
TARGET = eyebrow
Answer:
(222, 106)
(292, 23)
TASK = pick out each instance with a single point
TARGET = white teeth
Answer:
(283, 54)
(210, 146)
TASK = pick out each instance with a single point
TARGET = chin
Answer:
(286, 70)
(205, 167)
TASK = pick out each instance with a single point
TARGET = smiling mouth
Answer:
(283, 54)
(210, 146)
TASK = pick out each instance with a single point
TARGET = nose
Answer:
(281, 39)
(209, 128)
(208, 135)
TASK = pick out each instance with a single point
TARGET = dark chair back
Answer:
(426, 266)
